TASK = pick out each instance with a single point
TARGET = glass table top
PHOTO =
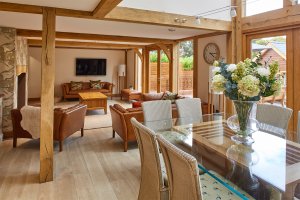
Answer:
(267, 169)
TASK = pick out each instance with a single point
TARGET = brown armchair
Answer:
(66, 122)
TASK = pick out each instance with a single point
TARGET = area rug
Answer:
(96, 118)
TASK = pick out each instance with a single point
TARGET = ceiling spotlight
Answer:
(171, 29)
(180, 21)
(233, 12)
(198, 20)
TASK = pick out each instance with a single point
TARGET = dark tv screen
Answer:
(86, 66)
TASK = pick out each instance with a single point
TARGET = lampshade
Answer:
(122, 70)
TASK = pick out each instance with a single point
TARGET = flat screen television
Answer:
(87, 66)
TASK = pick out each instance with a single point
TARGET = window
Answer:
(254, 7)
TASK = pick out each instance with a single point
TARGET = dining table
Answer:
(269, 168)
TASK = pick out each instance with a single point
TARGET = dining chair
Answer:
(298, 127)
(184, 180)
(157, 110)
(153, 184)
(273, 119)
(189, 108)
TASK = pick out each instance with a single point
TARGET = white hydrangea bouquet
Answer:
(248, 80)
(245, 84)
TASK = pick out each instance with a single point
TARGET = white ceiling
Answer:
(78, 25)
(186, 7)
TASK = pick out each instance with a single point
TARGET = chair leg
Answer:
(82, 132)
(114, 134)
(14, 142)
(125, 146)
(60, 146)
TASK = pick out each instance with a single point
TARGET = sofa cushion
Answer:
(104, 91)
(170, 96)
(120, 108)
(76, 85)
(78, 91)
(152, 96)
(137, 104)
(95, 84)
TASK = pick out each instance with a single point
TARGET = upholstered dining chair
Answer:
(157, 110)
(184, 180)
(153, 185)
(189, 110)
(273, 119)
(298, 127)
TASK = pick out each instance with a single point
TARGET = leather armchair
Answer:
(66, 122)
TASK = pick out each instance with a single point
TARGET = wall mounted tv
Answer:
(86, 66)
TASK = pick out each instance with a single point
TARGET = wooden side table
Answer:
(131, 95)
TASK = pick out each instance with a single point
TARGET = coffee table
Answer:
(94, 100)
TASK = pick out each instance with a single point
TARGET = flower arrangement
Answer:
(248, 80)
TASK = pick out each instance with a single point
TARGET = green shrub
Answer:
(187, 63)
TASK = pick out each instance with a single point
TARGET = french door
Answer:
(281, 46)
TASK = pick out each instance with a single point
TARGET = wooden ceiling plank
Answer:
(104, 7)
(130, 15)
(98, 37)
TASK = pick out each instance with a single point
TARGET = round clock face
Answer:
(211, 53)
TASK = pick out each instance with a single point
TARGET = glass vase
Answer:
(241, 123)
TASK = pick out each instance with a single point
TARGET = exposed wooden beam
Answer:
(137, 52)
(104, 7)
(85, 45)
(203, 36)
(195, 67)
(47, 95)
(128, 15)
(165, 49)
(288, 16)
(166, 19)
(97, 37)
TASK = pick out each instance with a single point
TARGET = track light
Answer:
(233, 12)
(198, 20)
(180, 21)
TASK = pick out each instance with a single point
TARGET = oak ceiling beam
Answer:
(104, 7)
(87, 36)
(130, 15)
(203, 36)
(133, 15)
(280, 18)
(84, 45)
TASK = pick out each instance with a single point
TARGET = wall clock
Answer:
(211, 53)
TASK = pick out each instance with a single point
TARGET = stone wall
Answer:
(7, 74)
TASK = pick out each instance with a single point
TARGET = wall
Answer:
(7, 75)
(203, 72)
(65, 68)
(130, 68)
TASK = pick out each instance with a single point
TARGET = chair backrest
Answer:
(273, 119)
(189, 108)
(152, 186)
(157, 110)
(182, 171)
(298, 127)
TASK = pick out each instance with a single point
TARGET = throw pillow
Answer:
(170, 96)
(95, 84)
(76, 85)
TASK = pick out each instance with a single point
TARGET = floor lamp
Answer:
(121, 73)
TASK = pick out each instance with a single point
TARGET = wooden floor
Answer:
(92, 167)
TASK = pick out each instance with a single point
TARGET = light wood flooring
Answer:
(92, 167)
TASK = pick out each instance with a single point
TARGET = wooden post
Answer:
(174, 69)
(126, 69)
(47, 95)
(195, 67)
(158, 70)
(144, 70)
